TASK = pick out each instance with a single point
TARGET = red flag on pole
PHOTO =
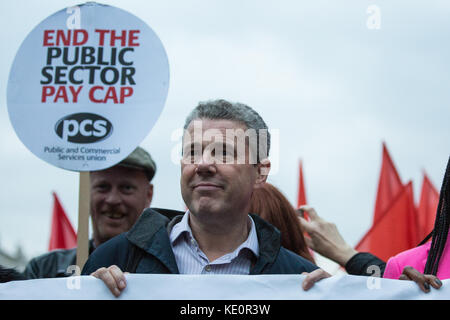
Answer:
(426, 211)
(301, 198)
(389, 185)
(62, 235)
(396, 228)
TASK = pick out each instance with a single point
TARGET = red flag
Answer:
(62, 235)
(389, 185)
(395, 229)
(301, 198)
(426, 211)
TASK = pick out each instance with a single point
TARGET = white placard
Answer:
(86, 86)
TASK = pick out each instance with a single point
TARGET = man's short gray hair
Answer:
(224, 110)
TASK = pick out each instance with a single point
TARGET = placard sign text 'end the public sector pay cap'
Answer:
(86, 86)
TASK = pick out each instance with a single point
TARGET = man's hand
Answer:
(423, 280)
(324, 237)
(313, 277)
(113, 277)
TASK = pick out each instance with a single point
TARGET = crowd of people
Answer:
(235, 223)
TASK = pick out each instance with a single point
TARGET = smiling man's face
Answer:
(118, 197)
(210, 185)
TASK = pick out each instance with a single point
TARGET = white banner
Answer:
(221, 287)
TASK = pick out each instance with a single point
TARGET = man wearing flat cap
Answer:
(118, 196)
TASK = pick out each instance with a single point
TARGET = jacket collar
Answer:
(269, 239)
(149, 233)
(146, 227)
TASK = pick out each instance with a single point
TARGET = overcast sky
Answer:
(333, 87)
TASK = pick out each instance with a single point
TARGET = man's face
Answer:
(211, 188)
(118, 197)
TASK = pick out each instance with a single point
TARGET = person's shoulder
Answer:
(415, 257)
(50, 264)
(53, 255)
(413, 254)
(10, 274)
(112, 247)
(291, 260)
(112, 252)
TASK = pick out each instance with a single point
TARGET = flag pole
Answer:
(83, 220)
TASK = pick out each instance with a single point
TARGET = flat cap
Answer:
(140, 159)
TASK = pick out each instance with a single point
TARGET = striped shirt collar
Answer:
(183, 228)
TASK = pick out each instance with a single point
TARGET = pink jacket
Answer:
(417, 258)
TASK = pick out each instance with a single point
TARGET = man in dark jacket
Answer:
(137, 247)
(118, 196)
(225, 157)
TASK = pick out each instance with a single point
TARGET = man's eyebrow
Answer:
(127, 183)
(99, 182)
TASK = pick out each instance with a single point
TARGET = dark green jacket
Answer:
(149, 237)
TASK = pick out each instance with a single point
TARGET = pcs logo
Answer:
(83, 128)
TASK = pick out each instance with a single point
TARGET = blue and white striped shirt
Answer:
(191, 260)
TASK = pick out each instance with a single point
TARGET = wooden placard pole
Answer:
(83, 220)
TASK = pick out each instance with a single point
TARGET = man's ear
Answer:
(263, 169)
(149, 195)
